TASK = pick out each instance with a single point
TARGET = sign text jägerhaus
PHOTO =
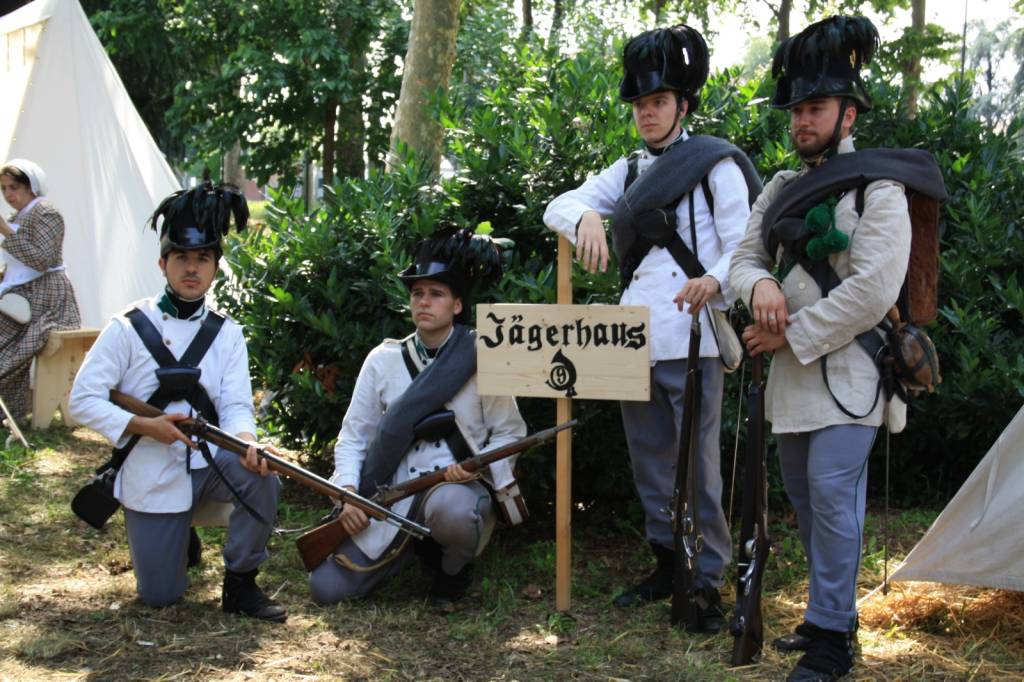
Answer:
(558, 351)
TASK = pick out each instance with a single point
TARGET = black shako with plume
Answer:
(824, 60)
(198, 218)
(673, 58)
(459, 258)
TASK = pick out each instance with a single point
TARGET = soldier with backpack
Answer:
(679, 206)
(839, 232)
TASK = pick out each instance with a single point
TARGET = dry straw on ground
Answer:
(68, 609)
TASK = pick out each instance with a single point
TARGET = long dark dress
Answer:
(38, 243)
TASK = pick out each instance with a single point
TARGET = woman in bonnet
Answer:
(31, 244)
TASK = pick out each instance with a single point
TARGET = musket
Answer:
(687, 536)
(198, 428)
(319, 543)
(754, 544)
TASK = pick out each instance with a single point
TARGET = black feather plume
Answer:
(477, 256)
(693, 55)
(833, 38)
(683, 49)
(206, 206)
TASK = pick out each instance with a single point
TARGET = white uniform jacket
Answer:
(872, 270)
(486, 422)
(659, 278)
(154, 478)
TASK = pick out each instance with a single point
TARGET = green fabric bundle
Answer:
(821, 222)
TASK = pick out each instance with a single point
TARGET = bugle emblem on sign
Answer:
(563, 375)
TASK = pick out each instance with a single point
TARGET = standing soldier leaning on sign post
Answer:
(427, 378)
(840, 232)
(681, 189)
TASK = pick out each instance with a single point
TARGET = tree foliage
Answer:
(274, 75)
(524, 122)
(149, 61)
(284, 77)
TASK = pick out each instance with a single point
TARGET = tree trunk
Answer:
(557, 18)
(912, 65)
(330, 121)
(527, 19)
(785, 9)
(428, 65)
(657, 6)
(231, 169)
(349, 153)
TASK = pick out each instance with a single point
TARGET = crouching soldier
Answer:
(401, 384)
(173, 351)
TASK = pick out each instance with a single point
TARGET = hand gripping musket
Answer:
(319, 543)
(199, 428)
(687, 536)
(746, 625)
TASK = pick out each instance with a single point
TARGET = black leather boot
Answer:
(798, 640)
(448, 589)
(658, 585)
(709, 611)
(829, 656)
(195, 548)
(430, 553)
(241, 594)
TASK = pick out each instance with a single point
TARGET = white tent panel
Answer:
(105, 172)
(977, 537)
(17, 54)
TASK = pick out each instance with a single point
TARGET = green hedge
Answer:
(317, 292)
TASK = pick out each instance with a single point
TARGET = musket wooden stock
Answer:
(746, 625)
(318, 544)
(198, 427)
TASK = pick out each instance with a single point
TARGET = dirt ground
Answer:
(68, 608)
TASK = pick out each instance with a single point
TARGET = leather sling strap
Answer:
(455, 440)
(827, 280)
(193, 355)
(681, 253)
(199, 399)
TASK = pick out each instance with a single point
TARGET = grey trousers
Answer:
(826, 477)
(159, 542)
(460, 517)
(652, 434)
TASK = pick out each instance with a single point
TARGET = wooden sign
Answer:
(599, 352)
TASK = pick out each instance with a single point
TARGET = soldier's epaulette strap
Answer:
(218, 311)
(632, 168)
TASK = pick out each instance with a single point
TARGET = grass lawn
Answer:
(68, 608)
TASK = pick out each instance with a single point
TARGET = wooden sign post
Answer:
(564, 351)
(563, 457)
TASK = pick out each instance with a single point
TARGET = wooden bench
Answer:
(56, 367)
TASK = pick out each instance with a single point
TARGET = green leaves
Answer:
(523, 125)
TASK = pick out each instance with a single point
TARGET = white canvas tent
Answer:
(976, 539)
(62, 105)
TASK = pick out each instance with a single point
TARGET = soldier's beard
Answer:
(811, 154)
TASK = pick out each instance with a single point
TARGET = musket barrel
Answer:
(199, 427)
